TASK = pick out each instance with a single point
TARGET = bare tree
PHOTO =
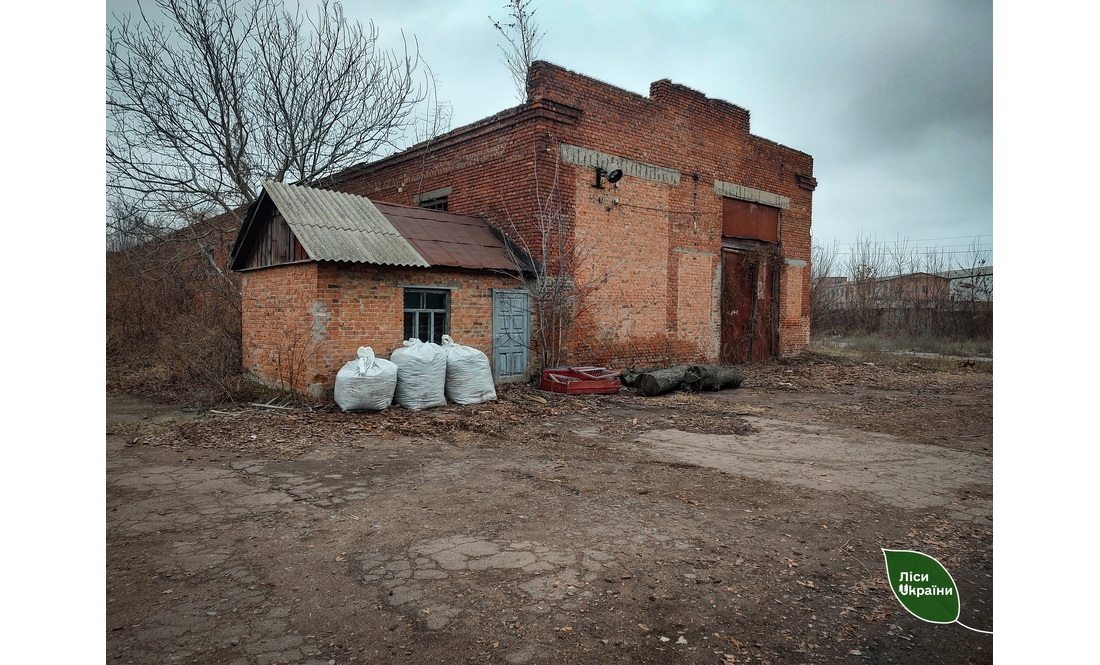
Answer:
(976, 281)
(866, 266)
(206, 99)
(934, 260)
(560, 270)
(826, 290)
(219, 95)
(524, 39)
(430, 124)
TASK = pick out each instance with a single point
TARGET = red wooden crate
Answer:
(580, 380)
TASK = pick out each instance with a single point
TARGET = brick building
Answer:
(700, 251)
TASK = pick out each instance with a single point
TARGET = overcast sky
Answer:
(892, 98)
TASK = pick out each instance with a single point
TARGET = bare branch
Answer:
(222, 95)
(524, 40)
(564, 277)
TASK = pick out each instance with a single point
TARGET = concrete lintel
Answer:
(428, 287)
(796, 263)
(434, 194)
(751, 195)
(693, 251)
(571, 154)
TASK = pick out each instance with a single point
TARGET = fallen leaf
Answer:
(339, 558)
(737, 643)
(168, 591)
(426, 611)
(566, 629)
(644, 627)
(663, 638)
(681, 640)
(856, 652)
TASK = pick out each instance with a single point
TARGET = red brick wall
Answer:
(501, 168)
(705, 140)
(279, 325)
(498, 168)
(313, 317)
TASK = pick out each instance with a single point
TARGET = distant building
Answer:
(918, 289)
(970, 284)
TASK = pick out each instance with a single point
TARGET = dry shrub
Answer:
(174, 320)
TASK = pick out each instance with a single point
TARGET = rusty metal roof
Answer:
(447, 239)
(334, 226)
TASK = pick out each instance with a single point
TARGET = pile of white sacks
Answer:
(419, 375)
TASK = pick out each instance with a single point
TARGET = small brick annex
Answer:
(663, 237)
(302, 322)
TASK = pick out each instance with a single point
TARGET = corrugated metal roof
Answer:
(334, 226)
(447, 239)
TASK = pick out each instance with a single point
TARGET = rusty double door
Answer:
(750, 312)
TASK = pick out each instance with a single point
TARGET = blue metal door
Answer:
(511, 335)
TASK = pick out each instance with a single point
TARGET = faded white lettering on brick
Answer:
(571, 154)
(751, 195)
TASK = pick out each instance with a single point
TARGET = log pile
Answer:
(654, 382)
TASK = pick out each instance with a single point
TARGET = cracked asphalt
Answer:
(591, 538)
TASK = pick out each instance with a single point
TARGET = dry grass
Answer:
(969, 348)
(894, 358)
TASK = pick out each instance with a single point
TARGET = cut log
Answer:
(712, 377)
(660, 381)
(631, 375)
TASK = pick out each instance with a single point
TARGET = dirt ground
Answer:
(743, 526)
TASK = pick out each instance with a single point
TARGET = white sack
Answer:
(469, 379)
(421, 374)
(365, 384)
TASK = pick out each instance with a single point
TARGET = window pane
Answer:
(438, 327)
(424, 330)
(413, 299)
(410, 325)
(435, 300)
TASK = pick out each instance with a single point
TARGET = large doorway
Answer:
(749, 311)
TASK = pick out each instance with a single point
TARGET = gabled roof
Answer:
(335, 226)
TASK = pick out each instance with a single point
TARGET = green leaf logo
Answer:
(922, 586)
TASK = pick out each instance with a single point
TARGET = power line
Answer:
(954, 253)
(976, 235)
(908, 242)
